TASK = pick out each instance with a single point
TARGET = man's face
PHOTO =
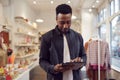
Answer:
(64, 21)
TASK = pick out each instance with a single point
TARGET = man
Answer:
(61, 45)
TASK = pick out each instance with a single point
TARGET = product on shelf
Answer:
(20, 18)
(3, 58)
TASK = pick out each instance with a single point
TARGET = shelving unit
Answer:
(27, 24)
(27, 33)
(25, 46)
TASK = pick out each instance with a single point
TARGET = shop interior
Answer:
(23, 22)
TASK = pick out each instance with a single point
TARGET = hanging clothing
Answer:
(92, 58)
(86, 44)
(67, 75)
(93, 53)
(5, 36)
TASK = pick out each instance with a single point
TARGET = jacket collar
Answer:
(59, 32)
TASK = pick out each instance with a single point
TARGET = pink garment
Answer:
(92, 53)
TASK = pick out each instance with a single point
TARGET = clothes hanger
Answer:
(95, 38)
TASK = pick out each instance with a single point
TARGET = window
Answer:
(102, 32)
(112, 7)
(115, 36)
(101, 15)
(117, 4)
(98, 17)
(115, 41)
(104, 13)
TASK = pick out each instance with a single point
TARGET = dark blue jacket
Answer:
(51, 51)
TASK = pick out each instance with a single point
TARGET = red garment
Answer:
(8, 77)
(95, 67)
(5, 36)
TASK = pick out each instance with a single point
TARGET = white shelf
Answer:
(20, 21)
(32, 65)
(27, 34)
(23, 76)
(24, 45)
(26, 73)
(21, 57)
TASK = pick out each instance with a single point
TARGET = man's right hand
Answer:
(59, 68)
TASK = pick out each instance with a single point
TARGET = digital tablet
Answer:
(73, 65)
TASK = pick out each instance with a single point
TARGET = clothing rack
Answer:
(97, 38)
(99, 58)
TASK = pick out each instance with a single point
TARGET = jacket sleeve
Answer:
(44, 56)
(82, 53)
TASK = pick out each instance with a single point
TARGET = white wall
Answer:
(88, 24)
(50, 21)
(49, 18)
(21, 8)
(17, 8)
(1, 14)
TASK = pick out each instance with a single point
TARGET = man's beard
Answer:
(65, 30)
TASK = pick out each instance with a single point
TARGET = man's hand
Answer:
(78, 59)
(59, 68)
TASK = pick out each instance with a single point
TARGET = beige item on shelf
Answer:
(3, 57)
(4, 45)
(27, 62)
(19, 17)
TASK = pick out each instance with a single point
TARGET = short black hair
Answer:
(64, 9)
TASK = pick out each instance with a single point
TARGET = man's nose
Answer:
(65, 25)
